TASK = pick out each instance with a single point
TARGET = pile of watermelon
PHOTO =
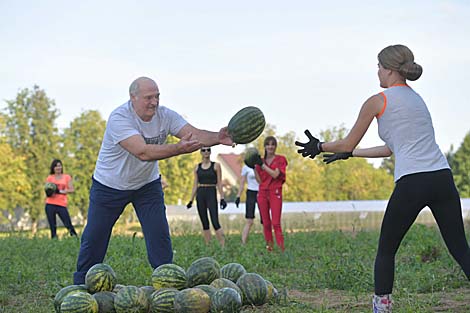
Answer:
(203, 287)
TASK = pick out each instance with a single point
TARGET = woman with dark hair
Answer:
(56, 204)
(271, 174)
(422, 175)
(207, 180)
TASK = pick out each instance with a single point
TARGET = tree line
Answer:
(29, 141)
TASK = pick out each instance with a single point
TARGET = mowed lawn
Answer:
(328, 271)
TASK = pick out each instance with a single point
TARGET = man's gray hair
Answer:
(134, 88)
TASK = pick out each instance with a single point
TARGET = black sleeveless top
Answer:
(208, 176)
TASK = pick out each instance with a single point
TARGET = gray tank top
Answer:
(405, 125)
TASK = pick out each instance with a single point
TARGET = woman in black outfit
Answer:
(207, 179)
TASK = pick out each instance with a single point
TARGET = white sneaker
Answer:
(382, 304)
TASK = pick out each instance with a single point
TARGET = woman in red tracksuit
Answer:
(271, 174)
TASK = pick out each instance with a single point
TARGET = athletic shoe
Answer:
(382, 304)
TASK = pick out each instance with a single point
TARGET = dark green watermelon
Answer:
(80, 302)
(220, 283)
(62, 293)
(254, 288)
(105, 301)
(131, 299)
(169, 276)
(192, 300)
(203, 271)
(232, 271)
(163, 300)
(246, 125)
(100, 277)
(226, 300)
(249, 159)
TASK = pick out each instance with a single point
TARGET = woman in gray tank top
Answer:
(422, 174)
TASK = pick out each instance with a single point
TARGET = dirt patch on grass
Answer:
(456, 301)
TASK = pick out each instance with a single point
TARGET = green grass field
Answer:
(327, 271)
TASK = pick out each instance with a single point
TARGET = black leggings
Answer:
(51, 211)
(411, 194)
(206, 198)
(250, 205)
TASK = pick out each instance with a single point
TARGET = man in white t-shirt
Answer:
(127, 172)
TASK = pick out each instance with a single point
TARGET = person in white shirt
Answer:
(248, 177)
(127, 172)
(422, 174)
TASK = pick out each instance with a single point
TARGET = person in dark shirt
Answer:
(207, 179)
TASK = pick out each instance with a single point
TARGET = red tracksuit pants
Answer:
(270, 207)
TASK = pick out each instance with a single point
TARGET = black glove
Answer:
(223, 204)
(189, 205)
(310, 148)
(237, 201)
(57, 189)
(49, 192)
(257, 160)
(328, 158)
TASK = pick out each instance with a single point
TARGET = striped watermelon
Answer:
(192, 300)
(232, 271)
(100, 277)
(203, 271)
(80, 302)
(272, 294)
(163, 300)
(207, 289)
(105, 301)
(50, 188)
(220, 283)
(59, 297)
(131, 299)
(169, 276)
(246, 125)
(226, 300)
(250, 155)
(254, 288)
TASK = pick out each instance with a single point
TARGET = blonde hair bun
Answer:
(400, 58)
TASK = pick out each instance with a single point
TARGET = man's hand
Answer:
(187, 145)
(189, 205)
(237, 201)
(310, 148)
(223, 204)
(329, 158)
(224, 137)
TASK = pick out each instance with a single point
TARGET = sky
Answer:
(305, 64)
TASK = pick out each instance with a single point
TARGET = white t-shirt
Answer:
(251, 183)
(406, 127)
(119, 169)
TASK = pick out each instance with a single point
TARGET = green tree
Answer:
(355, 178)
(32, 134)
(460, 164)
(14, 184)
(82, 141)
